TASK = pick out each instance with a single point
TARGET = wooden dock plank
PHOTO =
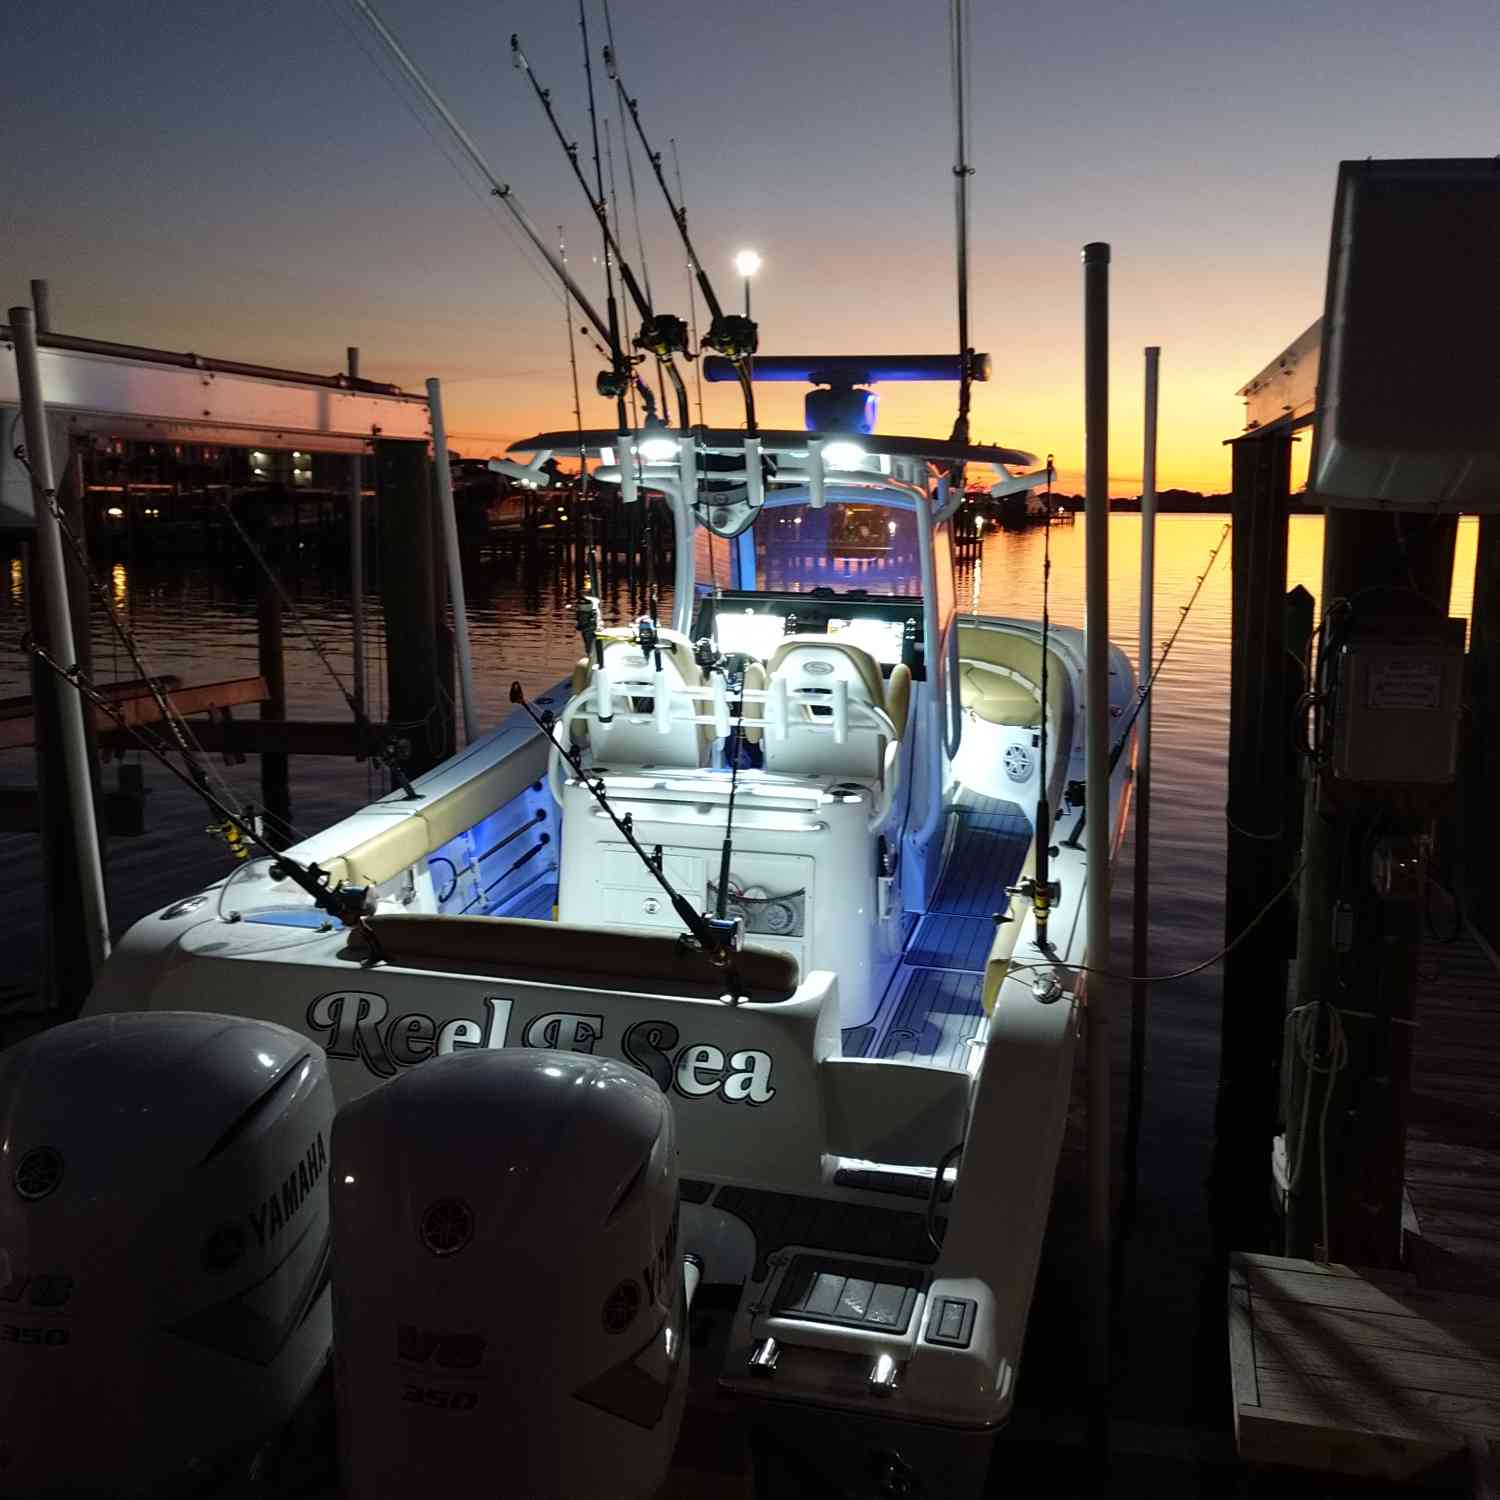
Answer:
(1360, 1373)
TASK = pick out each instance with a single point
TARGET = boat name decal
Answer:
(278, 1210)
(356, 1026)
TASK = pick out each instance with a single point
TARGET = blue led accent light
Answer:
(848, 369)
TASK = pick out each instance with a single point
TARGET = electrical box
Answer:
(1396, 709)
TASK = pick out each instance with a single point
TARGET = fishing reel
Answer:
(664, 335)
(732, 336)
(612, 384)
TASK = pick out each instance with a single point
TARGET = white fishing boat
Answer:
(810, 851)
(870, 1056)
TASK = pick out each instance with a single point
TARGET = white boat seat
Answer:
(558, 953)
(816, 673)
(632, 734)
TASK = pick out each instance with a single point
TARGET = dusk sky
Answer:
(239, 179)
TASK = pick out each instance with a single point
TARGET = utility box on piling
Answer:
(1410, 369)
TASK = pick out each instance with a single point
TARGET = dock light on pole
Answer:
(747, 263)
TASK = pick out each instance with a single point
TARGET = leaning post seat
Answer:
(830, 708)
(634, 717)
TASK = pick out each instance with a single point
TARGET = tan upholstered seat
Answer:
(862, 665)
(998, 697)
(559, 953)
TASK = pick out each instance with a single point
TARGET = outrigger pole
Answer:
(662, 335)
(608, 330)
(962, 171)
(734, 337)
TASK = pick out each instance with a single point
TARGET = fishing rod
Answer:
(611, 383)
(721, 908)
(734, 337)
(661, 335)
(588, 610)
(714, 936)
(1144, 692)
(349, 904)
(1041, 890)
(692, 299)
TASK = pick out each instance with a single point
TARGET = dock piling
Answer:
(415, 707)
(275, 765)
(81, 915)
(1261, 770)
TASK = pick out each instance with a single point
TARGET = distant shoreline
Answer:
(1180, 502)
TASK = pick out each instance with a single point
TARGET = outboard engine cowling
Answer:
(163, 1248)
(508, 1289)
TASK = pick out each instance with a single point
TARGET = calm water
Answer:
(200, 626)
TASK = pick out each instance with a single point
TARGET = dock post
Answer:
(415, 706)
(356, 483)
(1253, 994)
(454, 559)
(1357, 950)
(77, 910)
(275, 765)
(1140, 918)
(1096, 257)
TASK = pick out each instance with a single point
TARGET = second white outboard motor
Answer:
(163, 1249)
(509, 1303)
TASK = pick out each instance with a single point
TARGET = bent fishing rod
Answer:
(1144, 691)
(714, 936)
(348, 904)
(734, 337)
(612, 383)
(661, 335)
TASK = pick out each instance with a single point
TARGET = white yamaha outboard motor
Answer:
(163, 1248)
(508, 1295)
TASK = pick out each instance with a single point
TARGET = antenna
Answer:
(962, 171)
(662, 336)
(732, 336)
(607, 329)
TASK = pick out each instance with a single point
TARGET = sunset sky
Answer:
(240, 179)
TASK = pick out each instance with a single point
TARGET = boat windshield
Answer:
(841, 546)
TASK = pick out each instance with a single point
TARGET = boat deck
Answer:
(931, 1011)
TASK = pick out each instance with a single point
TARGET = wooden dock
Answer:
(1453, 1136)
(1395, 1375)
(1360, 1372)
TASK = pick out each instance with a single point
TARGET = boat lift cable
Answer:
(691, 285)
(962, 171)
(661, 336)
(608, 330)
(381, 754)
(728, 334)
(1144, 691)
(714, 938)
(348, 904)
